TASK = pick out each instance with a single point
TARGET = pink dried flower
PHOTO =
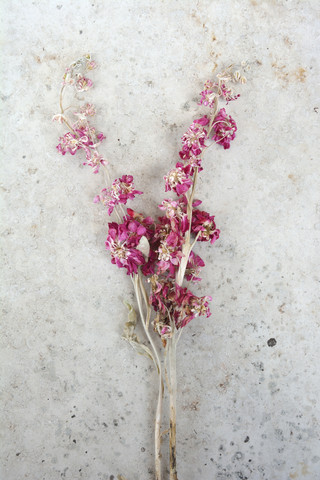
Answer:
(174, 302)
(122, 241)
(94, 160)
(209, 94)
(224, 128)
(91, 65)
(67, 77)
(227, 93)
(204, 223)
(59, 118)
(121, 191)
(189, 306)
(87, 110)
(194, 265)
(169, 253)
(177, 180)
(68, 143)
(177, 216)
(83, 84)
(193, 139)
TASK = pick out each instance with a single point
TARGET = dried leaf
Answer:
(144, 247)
(129, 335)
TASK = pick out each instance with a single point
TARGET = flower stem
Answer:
(139, 289)
(173, 399)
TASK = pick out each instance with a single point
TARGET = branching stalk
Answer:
(140, 292)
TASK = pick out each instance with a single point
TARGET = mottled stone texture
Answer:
(77, 402)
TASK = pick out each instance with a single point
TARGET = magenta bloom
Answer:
(169, 253)
(194, 265)
(94, 160)
(189, 306)
(120, 191)
(204, 223)
(209, 94)
(193, 139)
(85, 137)
(121, 241)
(176, 213)
(178, 180)
(69, 143)
(224, 128)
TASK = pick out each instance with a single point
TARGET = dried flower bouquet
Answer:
(157, 253)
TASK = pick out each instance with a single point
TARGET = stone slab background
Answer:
(77, 402)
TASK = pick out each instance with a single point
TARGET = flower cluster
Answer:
(124, 240)
(175, 306)
(157, 252)
(120, 191)
(160, 249)
(224, 128)
(83, 136)
(75, 74)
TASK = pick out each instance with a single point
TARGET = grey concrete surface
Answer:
(77, 403)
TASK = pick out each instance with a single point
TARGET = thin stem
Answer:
(173, 401)
(62, 110)
(139, 287)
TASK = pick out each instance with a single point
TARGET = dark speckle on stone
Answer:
(17, 454)
(80, 32)
(59, 7)
(143, 449)
(115, 423)
(241, 476)
(74, 441)
(272, 342)
(246, 440)
(72, 416)
(111, 477)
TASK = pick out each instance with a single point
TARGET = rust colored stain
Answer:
(297, 75)
(301, 74)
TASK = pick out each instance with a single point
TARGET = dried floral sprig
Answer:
(157, 254)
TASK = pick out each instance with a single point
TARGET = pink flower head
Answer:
(87, 110)
(84, 136)
(177, 180)
(83, 84)
(95, 160)
(209, 94)
(193, 139)
(189, 306)
(162, 293)
(91, 65)
(227, 93)
(204, 225)
(122, 241)
(120, 191)
(67, 77)
(194, 265)
(177, 216)
(224, 128)
(68, 143)
(146, 222)
(169, 253)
